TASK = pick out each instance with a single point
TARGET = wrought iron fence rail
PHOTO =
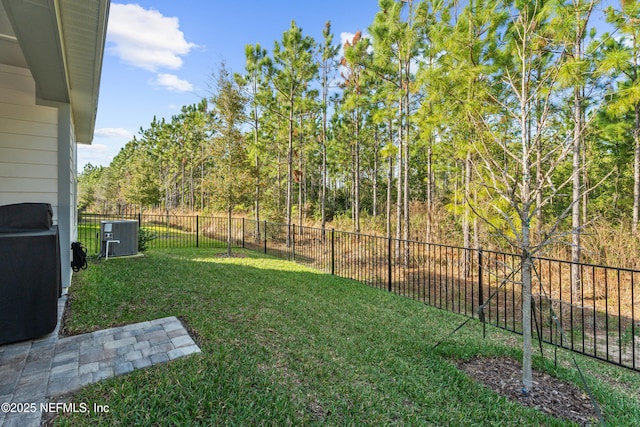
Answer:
(596, 317)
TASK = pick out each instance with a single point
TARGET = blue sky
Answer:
(159, 55)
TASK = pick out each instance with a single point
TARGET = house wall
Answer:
(66, 187)
(38, 155)
(28, 142)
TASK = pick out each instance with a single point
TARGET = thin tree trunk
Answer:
(290, 173)
(636, 170)
(575, 194)
(278, 182)
(466, 223)
(229, 230)
(525, 203)
(376, 160)
(356, 205)
(202, 180)
(407, 123)
(430, 193)
(407, 194)
(399, 165)
(256, 126)
(389, 181)
(300, 203)
(323, 186)
(257, 201)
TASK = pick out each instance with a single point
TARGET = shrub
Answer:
(144, 237)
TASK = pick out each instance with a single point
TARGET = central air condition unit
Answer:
(118, 238)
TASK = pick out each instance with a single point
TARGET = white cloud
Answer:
(145, 38)
(118, 133)
(346, 36)
(96, 154)
(172, 83)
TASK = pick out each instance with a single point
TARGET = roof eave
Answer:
(63, 44)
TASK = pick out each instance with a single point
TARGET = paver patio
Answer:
(32, 371)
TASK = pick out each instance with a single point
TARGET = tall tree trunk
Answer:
(525, 209)
(376, 160)
(300, 166)
(356, 196)
(229, 229)
(389, 184)
(256, 128)
(389, 180)
(202, 203)
(323, 186)
(636, 170)
(636, 140)
(400, 164)
(466, 223)
(430, 193)
(578, 130)
(527, 378)
(257, 199)
(278, 182)
(407, 194)
(290, 172)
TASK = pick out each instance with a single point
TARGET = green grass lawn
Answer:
(163, 237)
(285, 345)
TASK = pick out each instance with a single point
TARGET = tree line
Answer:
(512, 123)
(442, 118)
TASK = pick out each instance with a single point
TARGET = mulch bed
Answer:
(550, 395)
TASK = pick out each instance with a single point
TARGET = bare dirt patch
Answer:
(550, 395)
(233, 255)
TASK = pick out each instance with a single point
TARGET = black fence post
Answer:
(480, 284)
(293, 242)
(139, 219)
(333, 253)
(197, 231)
(265, 236)
(243, 232)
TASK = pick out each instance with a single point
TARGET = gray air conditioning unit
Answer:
(118, 238)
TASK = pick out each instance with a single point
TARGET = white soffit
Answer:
(62, 42)
(10, 52)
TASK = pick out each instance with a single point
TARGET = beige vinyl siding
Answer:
(28, 142)
(16, 86)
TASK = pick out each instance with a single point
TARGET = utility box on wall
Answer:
(120, 237)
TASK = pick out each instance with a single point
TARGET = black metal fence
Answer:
(599, 319)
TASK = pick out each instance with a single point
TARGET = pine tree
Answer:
(625, 61)
(292, 70)
(230, 181)
(254, 82)
(354, 62)
(327, 65)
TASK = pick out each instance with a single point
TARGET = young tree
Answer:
(230, 179)
(508, 159)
